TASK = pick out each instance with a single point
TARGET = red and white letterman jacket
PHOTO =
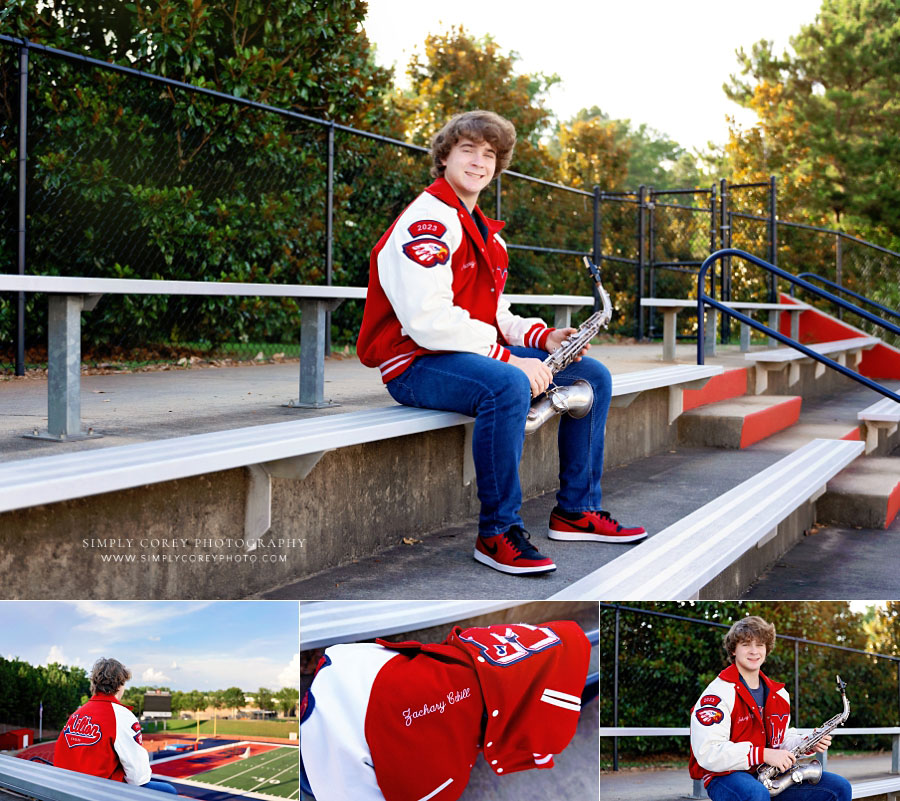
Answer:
(435, 285)
(727, 733)
(406, 721)
(102, 738)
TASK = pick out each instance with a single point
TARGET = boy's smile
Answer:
(749, 656)
(469, 168)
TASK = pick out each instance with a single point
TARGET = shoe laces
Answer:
(520, 540)
(607, 516)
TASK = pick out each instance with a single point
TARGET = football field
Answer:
(273, 772)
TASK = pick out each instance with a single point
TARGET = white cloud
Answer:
(290, 676)
(118, 619)
(154, 676)
(56, 655)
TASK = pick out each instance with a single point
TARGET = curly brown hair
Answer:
(749, 629)
(107, 676)
(479, 126)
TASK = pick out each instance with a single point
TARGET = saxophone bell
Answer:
(575, 400)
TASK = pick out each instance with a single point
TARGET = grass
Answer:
(273, 773)
(241, 728)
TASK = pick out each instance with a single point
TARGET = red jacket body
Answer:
(103, 738)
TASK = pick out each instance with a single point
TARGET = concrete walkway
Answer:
(674, 784)
(143, 406)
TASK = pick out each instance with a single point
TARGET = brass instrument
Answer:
(811, 770)
(577, 398)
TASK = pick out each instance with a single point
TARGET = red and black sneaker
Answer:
(512, 552)
(591, 527)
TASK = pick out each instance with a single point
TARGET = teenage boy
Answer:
(741, 723)
(102, 737)
(443, 337)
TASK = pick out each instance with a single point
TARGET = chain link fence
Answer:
(132, 175)
(655, 665)
(653, 242)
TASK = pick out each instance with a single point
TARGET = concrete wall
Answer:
(184, 539)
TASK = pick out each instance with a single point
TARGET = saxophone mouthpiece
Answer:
(841, 685)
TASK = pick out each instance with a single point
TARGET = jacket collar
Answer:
(442, 190)
(732, 674)
(110, 698)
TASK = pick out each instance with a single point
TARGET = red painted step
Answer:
(882, 361)
(730, 384)
(738, 422)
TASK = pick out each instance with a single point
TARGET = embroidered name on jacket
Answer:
(81, 730)
(453, 697)
(427, 252)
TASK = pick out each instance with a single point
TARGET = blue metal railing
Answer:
(863, 298)
(703, 298)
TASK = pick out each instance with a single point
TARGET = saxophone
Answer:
(578, 398)
(811, 770)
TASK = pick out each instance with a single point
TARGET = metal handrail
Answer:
(846, 291)
(703, 298)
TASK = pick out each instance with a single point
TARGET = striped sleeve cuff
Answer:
(499, 352)
(536, 336)
(755, 757)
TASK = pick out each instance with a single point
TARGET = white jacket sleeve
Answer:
(422, 297)
(519, 330)
(711, 732)
(135, 760)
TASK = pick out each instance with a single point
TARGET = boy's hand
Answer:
(778, 758)
(823, 744)
(556, 338)
(539, 375)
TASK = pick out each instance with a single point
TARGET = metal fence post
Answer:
(642, 260)
(498, 215)
(329, 232)
(616, 690)
(651, 250)
(596, 244)
(796, 683)
(838, 267)
(773, 238)
(23, 153)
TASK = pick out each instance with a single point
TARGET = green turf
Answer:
(273, 773)
(242, 728)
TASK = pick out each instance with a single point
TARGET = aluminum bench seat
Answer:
(847, 352)
(670, 308)
(882, 414)
(679, 561)
(49, 783)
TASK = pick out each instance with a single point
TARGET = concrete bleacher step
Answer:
(738, 422)
(720, 548)
(864, 495)
(730, 384)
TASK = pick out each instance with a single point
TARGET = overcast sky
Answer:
(654, 62)
(184, 645)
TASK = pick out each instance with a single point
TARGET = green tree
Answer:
(233, 698)
(130, 179)
(265, 700)
(829, 121)
(459, 72)
(287, 699)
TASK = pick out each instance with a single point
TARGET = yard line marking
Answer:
(252, 767)
(289, 767)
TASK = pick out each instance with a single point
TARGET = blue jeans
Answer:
(742, 786)
(498, 395)
(163, 787)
